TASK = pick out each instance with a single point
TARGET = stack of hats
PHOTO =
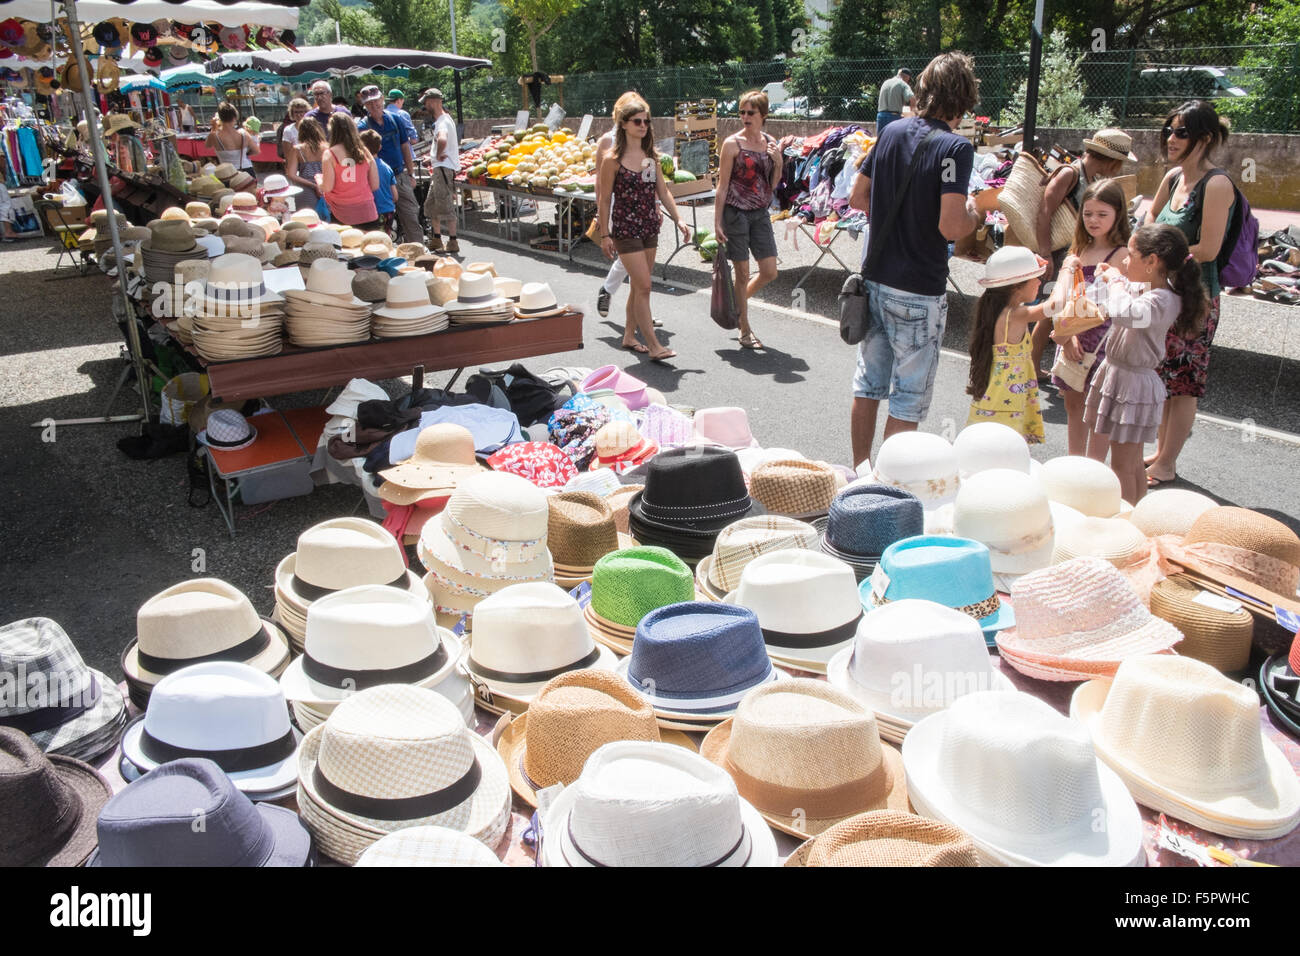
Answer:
(1279, 683)
(326, 313)
(48, 804)
(397, 756)
(887, 838)
(569, 719)
(580, 531)
(535, 300)
(627, 585)
(1187, 741)
(332, 556)
(1078, 620)
(1007, 511)
(369, 635)
(66, 707)
(806, 603)
(795, 488)
(865, 519)
(492, 534)
(1023, 781)
(195, 621)
(524, 635)
(170, 242)
(407, 309)
(239, 318)
(690, 495)
(621, 447)
(926, 466)
(741, 542)
(912, 658)
(477, 302)
(695, 661)
(223, 711)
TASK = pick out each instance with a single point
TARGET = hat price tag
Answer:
(582, 594)
(1217, 602)
(1287, 619)
(521, 120)
(879, 583)
(584, 129)
(459, 629)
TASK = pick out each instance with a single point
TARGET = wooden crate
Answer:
(685, 190)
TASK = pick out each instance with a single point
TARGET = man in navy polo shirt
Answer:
(396, 152)
(322, 96)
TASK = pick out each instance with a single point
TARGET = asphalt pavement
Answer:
(90, 534)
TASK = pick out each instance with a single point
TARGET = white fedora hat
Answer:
(510, 288)
(742, 541)
(921, 463)
(807, 756)
(526, 634)
(408, 298)
(1187, 741)
(226, 712)
(912, 658)
(365, 636)
(1116, 540)
(235, 282)
(1086, 485)
(475, 292)
(536, 300)
(494, 527)
(986, 445)
(428, 846)
(807, 605)
(342, 553)
(1023, 781)
(1007, 512)
(329, 282)
(1170, 511)
(277, 185)
(1012, 265)
(397, 756)
(639, 803)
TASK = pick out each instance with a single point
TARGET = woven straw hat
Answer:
(742, 541)
(954, 572)
(627, 585)
(494, 527)
(1170, 511)
(985, 445)
(1087, 486)
(195, 621)
(1187, 741)
(1007, 512)
(1270, 551)
(797, 489)
(198, 210)
(1023, 781)
(569, 719)
(443, 457)
(370, 285)
(338, 554)
(1082, 618)
(580, 531)
(865, 519)
(887, 838)
(620, 500)
(640, 803)
(428, 846)
(807, 756)
(1112, 142)
(392, 757)
(1116, 540)
(912, 658)
(922, 463)
(1212, 630)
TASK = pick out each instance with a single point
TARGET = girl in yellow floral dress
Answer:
(1003, 381)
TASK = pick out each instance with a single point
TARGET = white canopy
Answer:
(194, 11)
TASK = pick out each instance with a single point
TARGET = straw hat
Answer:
(351, 238)
(407, 309)
(1008, 512)
(1111, 142)
(410, 251)
(921, 463)
(1023, 781)
(224, 171)
(1115, 540)
(1012, 265)
(339, 554)
(392, 757)
(476, 292)
(194, 621)
(444, 456)
(887, 838)
(307, 217)
(484, 268)
(807, 756)
(985, 445)
(795, 488)
(428, 846)
(1080, 619)
(1169, 511)
(569, 719)
(1187, 741)
(448, 268)
(580, 531)
(198, 210)
(1214, 631)
(524, 635)
(865, 519)
(175, 212)
(510, 288)
(1261, 549)
(741, 542)
(640, 803)
(627, 585)
(535, 299)
(1087, 486)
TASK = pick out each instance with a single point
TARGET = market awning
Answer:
(338, 58)
(279, 14)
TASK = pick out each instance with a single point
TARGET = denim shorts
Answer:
(900, 354)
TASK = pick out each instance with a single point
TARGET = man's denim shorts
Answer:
(898, 358)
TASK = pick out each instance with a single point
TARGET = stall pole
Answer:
(1035, 68)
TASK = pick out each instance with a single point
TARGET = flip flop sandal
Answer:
(1154, 482)
(667, 355)
(750, 342)
(636, 347)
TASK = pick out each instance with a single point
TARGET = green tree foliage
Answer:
(538, 18)
(1061, 91)
(1270, 75)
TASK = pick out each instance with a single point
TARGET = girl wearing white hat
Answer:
(1003, 379)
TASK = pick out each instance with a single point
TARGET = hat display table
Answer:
(283, 439)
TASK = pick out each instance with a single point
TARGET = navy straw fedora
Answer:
(866, 519)
(698, 658)
(153, 822)
(693, 491)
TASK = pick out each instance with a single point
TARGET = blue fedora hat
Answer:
(153, 823)
(698, 658)
(954, 572)
(865, 519)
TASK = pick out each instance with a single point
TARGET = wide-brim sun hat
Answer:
(1012, 265)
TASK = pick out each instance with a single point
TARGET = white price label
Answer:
(1217, 602)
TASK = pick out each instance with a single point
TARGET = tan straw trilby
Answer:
(887, 838)
(1212, 631)
(793, 487)
(580, 531)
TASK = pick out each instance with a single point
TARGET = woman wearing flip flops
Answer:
(1195, 199)
(751, 167)
(629, 182)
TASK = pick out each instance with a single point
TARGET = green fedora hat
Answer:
(627, 585)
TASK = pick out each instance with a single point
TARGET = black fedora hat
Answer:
(695, 491)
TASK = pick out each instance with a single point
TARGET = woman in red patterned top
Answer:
(631, 181)
(750, 166)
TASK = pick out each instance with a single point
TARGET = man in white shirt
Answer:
(444, 163)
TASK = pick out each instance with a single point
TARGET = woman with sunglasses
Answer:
(286, 134)
(1197, 198)
(629, 182)
(751, 167)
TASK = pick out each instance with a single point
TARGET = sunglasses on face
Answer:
(1179, 132)
(640, 122)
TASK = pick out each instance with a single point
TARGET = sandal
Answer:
(750, 341)
(635, 347)
(1154, 482)
(664, 356)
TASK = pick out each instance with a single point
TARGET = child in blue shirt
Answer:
(386, 194)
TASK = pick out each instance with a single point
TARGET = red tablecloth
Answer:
(192, 147)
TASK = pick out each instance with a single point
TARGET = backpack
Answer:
(1238, 258)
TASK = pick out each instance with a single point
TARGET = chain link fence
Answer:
(1257, 86)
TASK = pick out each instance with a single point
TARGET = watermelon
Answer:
(683, 176)
(666, 163)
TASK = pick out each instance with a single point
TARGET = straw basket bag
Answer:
(1022, 196)
(179, 395)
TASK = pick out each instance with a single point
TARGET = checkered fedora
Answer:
(799, 489)
(742, 541)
